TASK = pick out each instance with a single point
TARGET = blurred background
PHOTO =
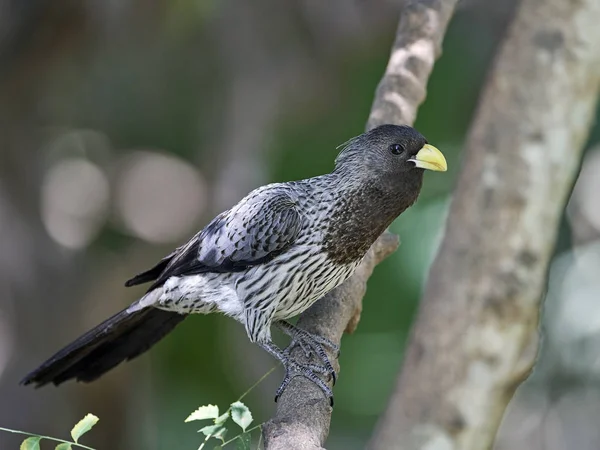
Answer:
(126, 125)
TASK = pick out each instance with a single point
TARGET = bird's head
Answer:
(390, 152)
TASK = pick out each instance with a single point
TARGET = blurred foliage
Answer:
(167, 81)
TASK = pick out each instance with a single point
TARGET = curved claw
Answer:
(284, 384)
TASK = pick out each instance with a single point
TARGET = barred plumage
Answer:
(268, 258)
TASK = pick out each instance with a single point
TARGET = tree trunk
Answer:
(475, 337)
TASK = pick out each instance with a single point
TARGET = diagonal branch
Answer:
(475, 337)
(303, 414)
(418, 44)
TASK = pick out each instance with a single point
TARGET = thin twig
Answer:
(25, 433)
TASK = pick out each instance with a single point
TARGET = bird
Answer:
(266, 260)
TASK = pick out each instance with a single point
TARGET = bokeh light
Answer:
(74, 201)
(159, 198)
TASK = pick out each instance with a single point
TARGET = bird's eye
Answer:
(396, 149)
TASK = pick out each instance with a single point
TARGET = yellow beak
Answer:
(430, 158)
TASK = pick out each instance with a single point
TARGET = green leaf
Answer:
(213, 430)
(221, 434)
(83, 426)
(241, 415)
(222, 419)
(243, 442)
(64, 446)
(31, 443)
(204, 412)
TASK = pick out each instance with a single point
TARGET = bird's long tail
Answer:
(122, 337)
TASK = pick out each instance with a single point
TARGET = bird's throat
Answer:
(361, 215)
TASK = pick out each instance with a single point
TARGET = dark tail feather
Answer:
(122, 337)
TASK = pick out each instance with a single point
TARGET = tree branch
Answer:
(303, 414)
(418, 44)
(475, 337)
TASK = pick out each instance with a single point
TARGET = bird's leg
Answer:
(294, 332)
(258, 329)
(309, 341)
(307, 370)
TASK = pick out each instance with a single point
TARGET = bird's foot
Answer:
(310, 344)
(294, 368)
(309, 371)
(309, 348)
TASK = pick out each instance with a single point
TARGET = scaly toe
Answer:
(308, 371)
(306, 349)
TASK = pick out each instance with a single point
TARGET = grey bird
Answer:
(267, 259)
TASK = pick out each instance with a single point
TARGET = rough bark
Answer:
(303, 414)
(475, 337)
(418, 44)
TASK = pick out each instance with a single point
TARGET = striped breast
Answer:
(307, 280)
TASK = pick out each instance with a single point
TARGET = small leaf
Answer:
(221, 434)
(64, 446)
(218, 447)
(241, 415)
(243, 442)
(212, 430)
(204, 412)
(31, 443)
(83, 426)
(222, 419)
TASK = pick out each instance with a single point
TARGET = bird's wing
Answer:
(256, 230)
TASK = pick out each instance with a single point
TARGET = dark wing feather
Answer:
(256, 230)
(154, 272)
(151, 274)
